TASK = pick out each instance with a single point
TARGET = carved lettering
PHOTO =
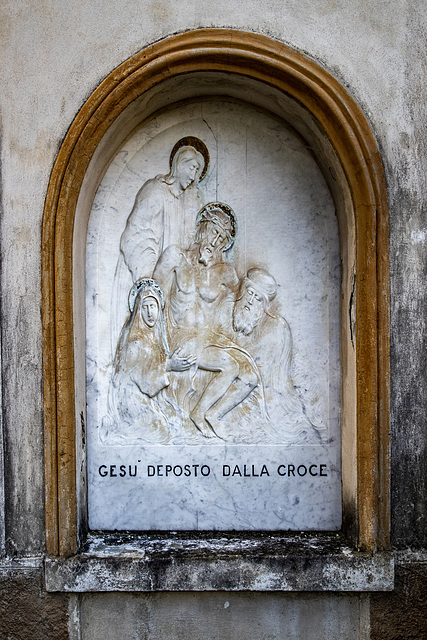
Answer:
(192, 311)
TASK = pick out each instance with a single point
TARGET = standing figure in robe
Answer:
(164, 213)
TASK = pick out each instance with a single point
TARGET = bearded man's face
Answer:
(248, 310)
(211, 245)
(208, 255)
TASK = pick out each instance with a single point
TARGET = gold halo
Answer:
(198, 145)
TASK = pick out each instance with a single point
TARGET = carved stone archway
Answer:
(225, 62)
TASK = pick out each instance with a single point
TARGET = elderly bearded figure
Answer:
(201, 287)
(267, 337)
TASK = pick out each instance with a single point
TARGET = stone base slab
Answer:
(180, 562)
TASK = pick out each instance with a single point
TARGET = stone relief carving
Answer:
(140, 369)
(163, 213)
(212, 324)
(201, 283)
(267, 336)
(204, 355)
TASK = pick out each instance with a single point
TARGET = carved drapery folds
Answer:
(345, 148)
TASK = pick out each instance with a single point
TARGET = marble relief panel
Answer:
(212, 320)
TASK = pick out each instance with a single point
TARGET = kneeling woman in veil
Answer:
(140, 370)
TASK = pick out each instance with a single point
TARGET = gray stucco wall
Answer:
(407, 181)
(56, 52)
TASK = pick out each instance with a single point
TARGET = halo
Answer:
(211, 207)
(198, 145)
(145, 284)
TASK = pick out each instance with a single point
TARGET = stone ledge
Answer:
(17, 565)
(219, 562)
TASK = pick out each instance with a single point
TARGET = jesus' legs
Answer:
(234, 381)
(227, 369)
(242, 386)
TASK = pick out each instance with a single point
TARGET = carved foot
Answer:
(214, 422)
(202, 425)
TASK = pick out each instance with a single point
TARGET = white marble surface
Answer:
(286, 226)
(215, 488)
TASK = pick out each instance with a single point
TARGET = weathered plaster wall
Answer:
(26, 610)
(403, 613)
(407, 179)
(260, 616)
(54, 54)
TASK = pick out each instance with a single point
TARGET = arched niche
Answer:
(268, 75)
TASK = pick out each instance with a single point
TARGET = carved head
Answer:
(257, 290)
(149, 307)
(186, 167)
(260, 284)
(195, 144)
(144, 288)
(146, 305)
(215, 231)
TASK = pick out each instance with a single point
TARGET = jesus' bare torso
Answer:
(201, 288)
(198, 291)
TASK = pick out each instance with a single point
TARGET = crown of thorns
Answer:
(198, 145)
(207, 214)
(149, 285)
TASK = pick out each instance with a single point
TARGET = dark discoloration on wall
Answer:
(403, 613)
(22, 426)
(204, 562)
(409, 379)
(27, 611)
(408, 272)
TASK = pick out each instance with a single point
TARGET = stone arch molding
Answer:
(273, 76)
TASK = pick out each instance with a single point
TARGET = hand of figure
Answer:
(176, 362)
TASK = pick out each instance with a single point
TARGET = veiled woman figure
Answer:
(140, 370)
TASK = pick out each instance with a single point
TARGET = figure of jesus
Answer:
(201, 286)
